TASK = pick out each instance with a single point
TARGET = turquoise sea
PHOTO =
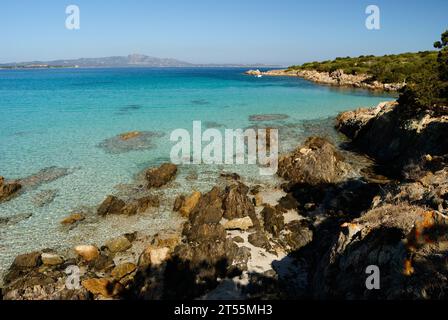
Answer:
(64, 121)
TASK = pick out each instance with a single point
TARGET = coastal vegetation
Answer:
(425, 74)
(428, 86)
(386, 69)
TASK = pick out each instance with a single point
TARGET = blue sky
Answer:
(218, 31)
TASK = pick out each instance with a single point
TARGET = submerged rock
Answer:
(15, 218)
(160, 176)
(45, 197)
(130, 135)
(130, 141)
(268, 117)
(43, 176)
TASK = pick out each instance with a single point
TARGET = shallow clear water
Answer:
(60, 117)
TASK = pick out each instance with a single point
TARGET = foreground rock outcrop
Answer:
(390, 135)
(316, 162)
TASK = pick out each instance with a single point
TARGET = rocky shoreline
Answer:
(335, 78)
(312, 236)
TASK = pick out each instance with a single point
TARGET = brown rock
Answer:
(190, 203)
(230, 176)
(123, 270)
(87, 252)
(297, 236)
(111, 205)
(239, 224)
(157, 255)
(206, 232)
(146, 202)
(28, 260)
(258, 199)
(102, 286)
(73, 218)
(259, 239)
(118, 244)
(51, 259)
(236, 202)
(166, 239)
(317, 162)
(129, 135)
(178, 202)
(7, 190)
(274, 221)
(350, 123)
(208, 209)
(160, 176)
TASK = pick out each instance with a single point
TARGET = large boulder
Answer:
(316, 162)
(351, 122)
(208, 209)
(392, 136)
(160, 176)
(404, 242)
(236, 202)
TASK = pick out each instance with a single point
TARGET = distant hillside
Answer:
(385, 69)
(133, 60)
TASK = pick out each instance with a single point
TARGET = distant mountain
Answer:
(132, 60)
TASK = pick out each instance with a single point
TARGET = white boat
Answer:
(259, 76)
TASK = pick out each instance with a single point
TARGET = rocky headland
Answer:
(312, 236)
(335, 78)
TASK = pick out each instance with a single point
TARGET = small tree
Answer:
(428, 88)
